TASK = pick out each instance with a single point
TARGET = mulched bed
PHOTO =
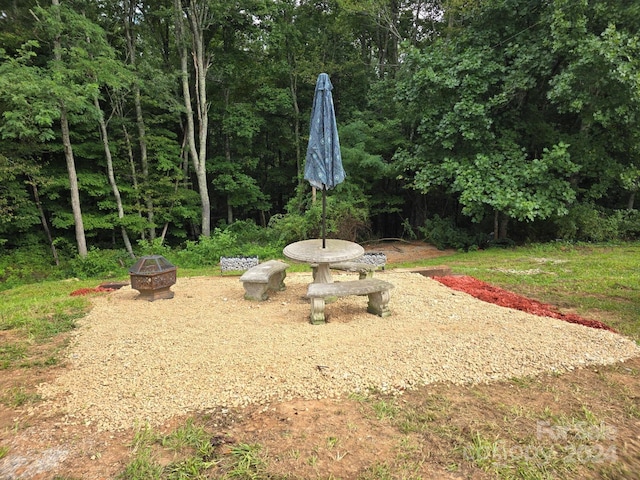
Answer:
(87, 291)
(105, 287)
(488, 293)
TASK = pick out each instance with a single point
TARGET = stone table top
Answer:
(335, 250)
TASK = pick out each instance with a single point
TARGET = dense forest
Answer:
(460, 121)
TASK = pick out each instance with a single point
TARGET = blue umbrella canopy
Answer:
(323, 167)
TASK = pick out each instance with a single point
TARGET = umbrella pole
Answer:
(324, 216)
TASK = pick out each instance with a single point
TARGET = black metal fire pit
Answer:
(153, 276)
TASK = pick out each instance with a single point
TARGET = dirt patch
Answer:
(400, 251)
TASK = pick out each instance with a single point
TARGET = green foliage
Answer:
(510, 114)
(42, 310)
(242, 238)
(346, 218)
(26, 265)
(100, 264)
(11, 352)
(589, 223)
(142, 467)
(155, 247)
(293, 227)
(443, 233)
(248, 462)
(18, 396)
(208, 250)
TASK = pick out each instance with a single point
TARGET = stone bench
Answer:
(365, 270)
(258, 280)
(376, 290)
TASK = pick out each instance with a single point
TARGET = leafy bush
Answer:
(443, 233)
(155, 247)
(344, 219)
(26, 265)
(100, 263)
(208, 250)
(628, 224)
(588, 223)
(242, 238)
(293, 226)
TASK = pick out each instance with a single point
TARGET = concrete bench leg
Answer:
(317, 311)
(255, 291)
(379, 303)
(276, 282)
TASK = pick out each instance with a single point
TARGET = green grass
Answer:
(193, 453)
(601, 282)
(33, 316)
(41, 311)
(18, 396)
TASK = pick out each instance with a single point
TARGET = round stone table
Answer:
(311, 251)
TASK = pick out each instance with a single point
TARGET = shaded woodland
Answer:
(461, 122)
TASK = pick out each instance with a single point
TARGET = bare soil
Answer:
(258, 373)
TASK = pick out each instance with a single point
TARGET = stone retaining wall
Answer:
(228, 264)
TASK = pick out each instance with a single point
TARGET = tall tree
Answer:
(198, 16)
(68, 148)
(485, 132)
(130, 8)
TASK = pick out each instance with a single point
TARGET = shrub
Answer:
(588, 223)
(100, 263)
(344, 219)
(443, 233)
(27, 264)
(628, 224)
(208, 250)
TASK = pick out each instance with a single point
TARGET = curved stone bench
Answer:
(376, 290)
(258, 280)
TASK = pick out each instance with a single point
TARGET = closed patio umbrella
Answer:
(323, 167)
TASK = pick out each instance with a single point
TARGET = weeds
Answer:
(247, 461)
(11, 353)
(18, 396)
(385, 409)
(142, 467)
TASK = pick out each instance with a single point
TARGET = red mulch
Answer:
(488, 293)
(87, 291)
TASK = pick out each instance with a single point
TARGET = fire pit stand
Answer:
(153, 276)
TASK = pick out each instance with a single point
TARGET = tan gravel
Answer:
(134, 361)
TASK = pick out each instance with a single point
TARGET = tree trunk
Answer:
(197, 15)
(504, 223)
(73, 182)
(43, 219)
(110, 174)
(229, 212)
(134, 173)
(293, 87)
(68, 155)
(142, 135)
(631, 201)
